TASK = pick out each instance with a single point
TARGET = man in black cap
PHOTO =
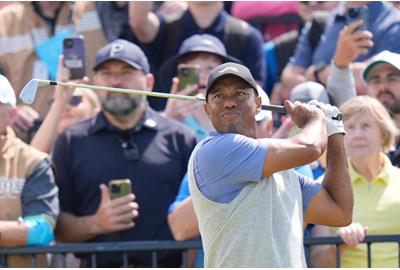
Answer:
(126, 140)
(249, 203)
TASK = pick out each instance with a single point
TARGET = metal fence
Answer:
(96, 249)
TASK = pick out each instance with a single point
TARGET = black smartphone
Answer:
(354, 14)
(74, 56)
(119, 188)
(188, 75)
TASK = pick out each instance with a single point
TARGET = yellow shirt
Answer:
(377, 206)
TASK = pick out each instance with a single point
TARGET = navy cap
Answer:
(194, 44)
(124, 51)
(230, 70)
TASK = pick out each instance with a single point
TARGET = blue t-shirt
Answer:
(383, 23)
(240, 161)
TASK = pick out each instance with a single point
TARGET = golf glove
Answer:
(333, 117)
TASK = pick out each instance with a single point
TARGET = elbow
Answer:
(175, 228)
(314, 151)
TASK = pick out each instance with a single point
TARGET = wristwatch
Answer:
(319, 66)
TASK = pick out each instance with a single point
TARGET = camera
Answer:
(68, 43)
(115, 189)
(354, 13)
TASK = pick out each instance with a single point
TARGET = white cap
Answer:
(306, 91)
(384, 57)
(7, 94)
(264, 101)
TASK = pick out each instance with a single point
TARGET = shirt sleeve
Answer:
(40, 193)
(302, 54)
(226, 163)
(309, 188)
(183, 193)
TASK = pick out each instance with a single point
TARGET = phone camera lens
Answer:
(353, 13)
(185, 72)
(68, 43)
(115, 189)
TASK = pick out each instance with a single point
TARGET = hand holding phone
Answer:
(188, 75)
(74, 56)
(119, 188)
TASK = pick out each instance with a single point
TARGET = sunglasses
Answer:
(74, 101)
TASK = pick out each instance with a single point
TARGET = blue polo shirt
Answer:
(90, 153)
(383, 23)
(251, 56)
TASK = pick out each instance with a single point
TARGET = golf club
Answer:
(28, 93)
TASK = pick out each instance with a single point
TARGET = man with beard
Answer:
(127, 139)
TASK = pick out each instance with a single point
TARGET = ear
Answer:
(258, 104)
(149, 82)
(207, 109)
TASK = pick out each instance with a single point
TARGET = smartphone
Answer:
(354, 14)
(74, 56)
(119, 188)
(188, 75)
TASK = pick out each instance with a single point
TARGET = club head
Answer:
(28, 93)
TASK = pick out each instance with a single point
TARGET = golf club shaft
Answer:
(274, 108)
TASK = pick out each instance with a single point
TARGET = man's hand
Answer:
(24, 118)
(333, 117)
(351, 44)
(115, 215)
(353, 234)
(302, 113)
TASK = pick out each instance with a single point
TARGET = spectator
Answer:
(126, 139)
(382, 77)
(370, 133)
(28, 193)
(69, 107)
(204, 52)
(383, 23)
(161, 39)
(25, 27)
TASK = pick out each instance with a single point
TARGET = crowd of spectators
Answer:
(59, 154)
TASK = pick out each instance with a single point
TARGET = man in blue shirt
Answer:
(160, 40)
(383, 26)
(126, 139)
(248, 202)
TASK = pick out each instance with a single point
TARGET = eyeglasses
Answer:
(130, 150)
(74, 101)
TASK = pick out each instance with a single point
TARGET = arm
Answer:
(302, 148)
(183, 221)
(144, 23)
(111, 216)
(323, 256)
(333, 205)
(13, 234)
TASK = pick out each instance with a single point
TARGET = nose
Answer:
(383, 86)
(229, 102)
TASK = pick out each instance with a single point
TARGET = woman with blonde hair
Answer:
(370, 133)
(69, 107)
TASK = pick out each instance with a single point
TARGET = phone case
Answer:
(74, 56)
(119, 187)
(187, 76)
(358, 13)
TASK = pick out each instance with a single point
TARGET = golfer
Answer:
(251, 206)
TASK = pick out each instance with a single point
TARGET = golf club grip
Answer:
(274, 108)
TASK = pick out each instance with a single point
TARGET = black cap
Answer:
(230, 70)
(195, 44)
(124, 51)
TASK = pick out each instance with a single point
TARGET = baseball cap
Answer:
(124, 51)
(7, 94)
(384, 57)
(230, 70)
(306, 91)
(196, 43)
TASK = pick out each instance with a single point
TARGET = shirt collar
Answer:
(383, 175)
(148, 120)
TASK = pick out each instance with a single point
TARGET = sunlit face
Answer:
(115, 73)
(363, 136)
(77, 111)
(232, 106)
(5, 117)
(206, 62)
(384, 84)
